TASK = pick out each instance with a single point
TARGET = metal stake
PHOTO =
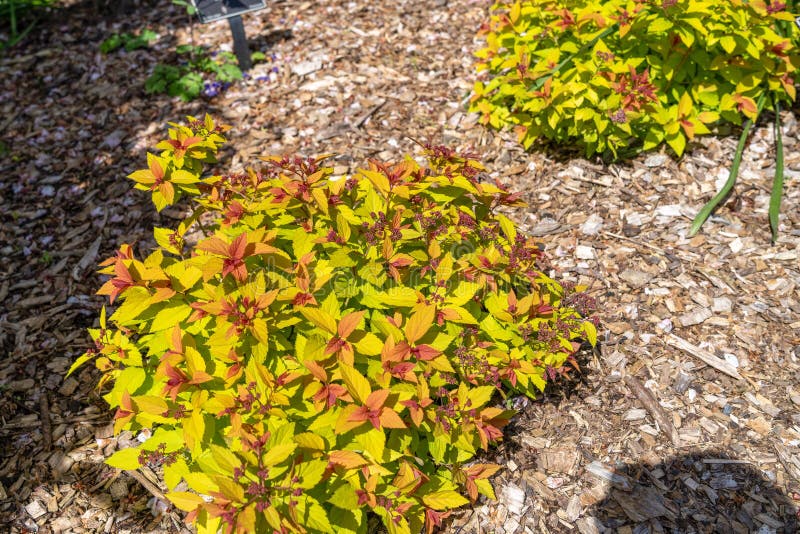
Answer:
(240, 47)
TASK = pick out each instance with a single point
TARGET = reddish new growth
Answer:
(605, 57)
(374, 233)
(624, 18)
(567, 19)
(158, 457)
(636, 88)
(775, 7)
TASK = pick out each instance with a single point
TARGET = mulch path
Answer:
(684, 420)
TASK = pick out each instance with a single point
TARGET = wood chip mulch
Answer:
(684, 420)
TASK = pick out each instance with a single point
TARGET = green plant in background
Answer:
(128, 41)
(624, 75)
(187, 81)
(190, 9)
(323, 346)
(175, 81)
(18, 18)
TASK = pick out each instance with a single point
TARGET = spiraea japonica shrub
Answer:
(309, 348)
(609, 74)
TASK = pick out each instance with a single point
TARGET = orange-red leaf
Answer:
(349, 323)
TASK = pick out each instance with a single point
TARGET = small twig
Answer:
(44, 414)
(717, 461)
(149, 486)
(371, 111)
(658, 250)
(635, 199)
(652, 406)
(701, 354)
(635, 242)
(591, 181)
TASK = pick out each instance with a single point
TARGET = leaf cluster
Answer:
(310, 348)
(196, 65)
(128, 41)
(610, 74)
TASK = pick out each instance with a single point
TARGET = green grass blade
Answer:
(18, 37)
(777, 182)
(726, 189)
(13, 17)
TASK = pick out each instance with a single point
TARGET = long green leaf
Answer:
(539, 82)
(726, 189)
(777, 181)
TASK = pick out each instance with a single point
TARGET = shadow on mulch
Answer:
(268, 40)
(697, 492)
(706, 492)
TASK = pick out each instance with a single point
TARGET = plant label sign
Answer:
(211, 10)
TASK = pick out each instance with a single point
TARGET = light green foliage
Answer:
(329, 346)
(610, 74)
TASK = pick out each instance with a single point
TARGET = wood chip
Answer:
(703, 355)
(655, 409)
(641, 504)
(557, 460)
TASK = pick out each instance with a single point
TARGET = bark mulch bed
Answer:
(684, 420)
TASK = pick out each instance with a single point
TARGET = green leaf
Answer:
(184, 500)
(728, 43)
(174, 473)
(313, 515)
(373, 442)
(356, 383)
(367, 343)
(659, 25)
(348, 521)
(320, 318)
(225, 459)
(402, 297)
(126, 459)
(508, 227)
(591, 332)
(128, 380)
(677, 142)
(111, 44)
(310, 473)
(170, 315)
(229, 73)
(278, 453)
(480, 395)
(80, 361)
(444, 500)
